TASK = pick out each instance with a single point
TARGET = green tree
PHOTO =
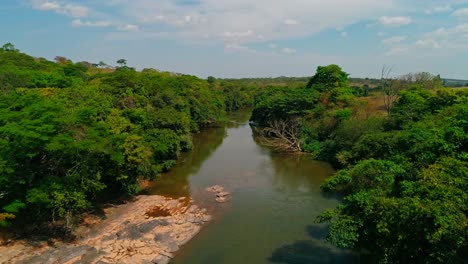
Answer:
(211, 79)
(9, 47)
(122, 62)
(327, 78)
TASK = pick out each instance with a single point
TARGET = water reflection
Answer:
(312, 251)
(175, 182)
(275, 199)
(299, 173)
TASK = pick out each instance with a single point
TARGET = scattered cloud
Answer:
(128, 27)
(460, 30)
(395, 21)
(428, 43)
(461, 13)
(236, 47)
(394, 40)
(80, 23)
(47, 6)
(344, 34)
(244, 34)
(230, 48)
(244, 22)
(396, 51)
(450, 39)
(289, 50)
(71, 10)
(438, 9)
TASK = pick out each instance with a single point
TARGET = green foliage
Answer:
(283, 103)
(327, 78)
(83, 134)
(411, 107)
(406, 189)
(404, 177)
(8, 47)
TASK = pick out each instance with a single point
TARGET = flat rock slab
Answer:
(149, 230)
(221, 196)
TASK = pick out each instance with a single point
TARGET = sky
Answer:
(246, 38)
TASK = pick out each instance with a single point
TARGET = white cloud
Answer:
(272, 46)
(80, 23)
(458, 30)
(244, 34)
(128, 27)
(395, 21)
(71, 10)
(291, 22)
(462, 12)
(396, 51)
(229, 20)
(344, 34)
(75, 10)
(394, 40)
(48, 6)
(288, 50)
(238, 48)
(428, 43)
(451, 39)
(439, 9)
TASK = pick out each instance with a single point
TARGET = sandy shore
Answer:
(150, 229)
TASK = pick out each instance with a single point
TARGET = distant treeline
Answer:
(357, 82)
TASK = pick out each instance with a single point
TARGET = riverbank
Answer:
(149, 229)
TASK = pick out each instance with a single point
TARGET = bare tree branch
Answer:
(391, 87)
(281, 134)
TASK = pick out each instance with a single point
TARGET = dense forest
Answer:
(403, 163)
(74, 135)
(77, 134)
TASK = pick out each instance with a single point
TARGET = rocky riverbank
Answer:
(148, 230)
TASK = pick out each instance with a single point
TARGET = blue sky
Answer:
(246, 38)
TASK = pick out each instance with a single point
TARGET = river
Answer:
(275, 199)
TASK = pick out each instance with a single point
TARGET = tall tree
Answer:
(122, 62)
(327, 78)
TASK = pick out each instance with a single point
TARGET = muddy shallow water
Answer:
(274, 201)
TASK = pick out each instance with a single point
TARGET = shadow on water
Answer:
(312, 251)
(175, 183)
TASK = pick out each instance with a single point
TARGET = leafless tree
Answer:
(281, 134)
(390, 86)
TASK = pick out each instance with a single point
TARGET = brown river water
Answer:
(275, 199)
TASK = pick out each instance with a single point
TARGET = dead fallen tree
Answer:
(283, 135)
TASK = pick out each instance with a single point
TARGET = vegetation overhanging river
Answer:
(274, 200)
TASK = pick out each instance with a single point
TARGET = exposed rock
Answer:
(161, 259)
(221, 195)
(207, 218)
(215, 189)
(149, 230)
(192, 209)
(222, 199)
